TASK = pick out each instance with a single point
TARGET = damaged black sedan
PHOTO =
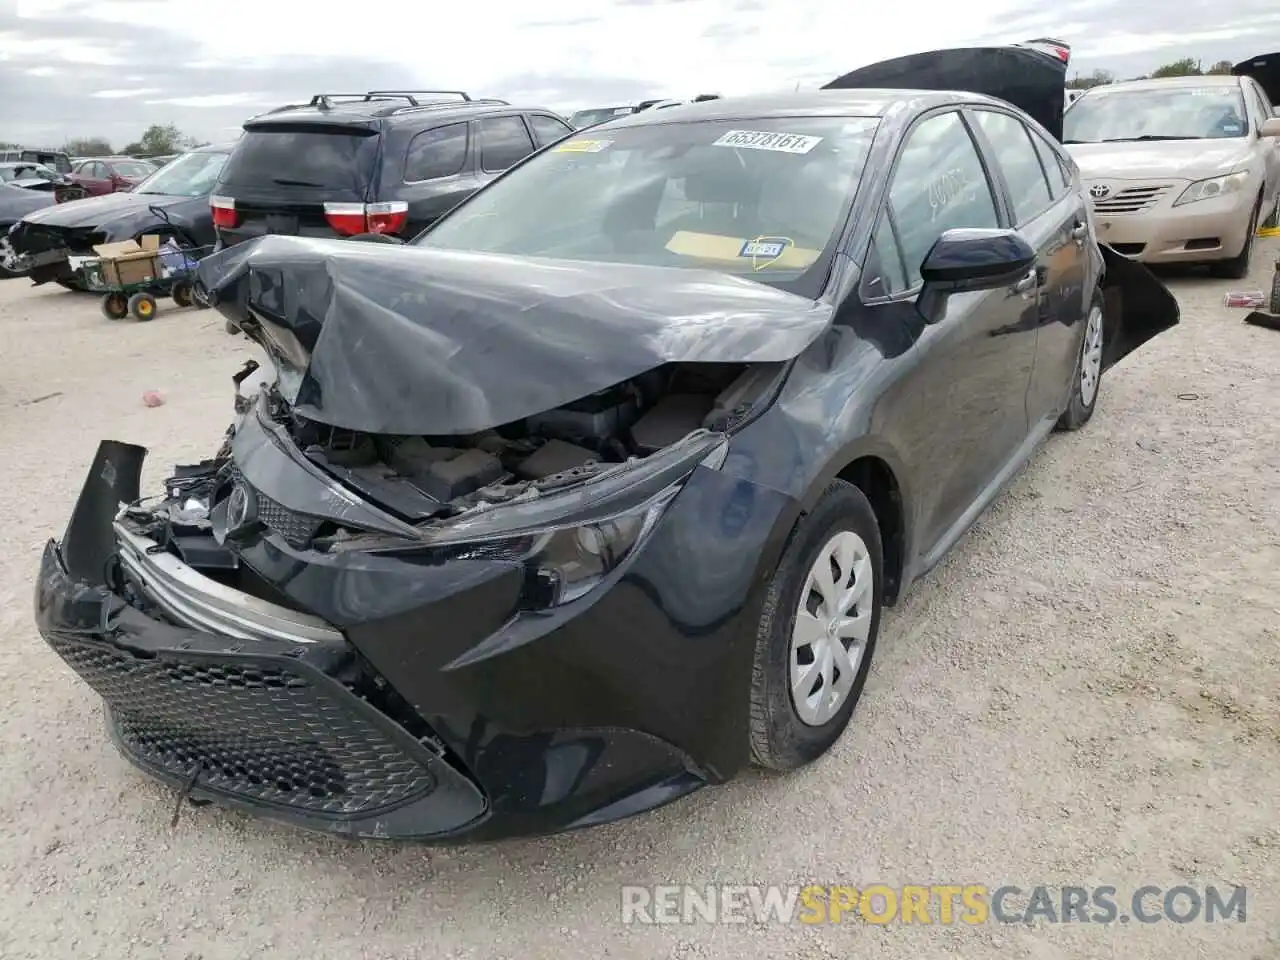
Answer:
(593, 494)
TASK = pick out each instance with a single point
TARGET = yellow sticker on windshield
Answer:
(709, 246)
(581, 146)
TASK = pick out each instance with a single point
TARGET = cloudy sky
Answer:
(109, 68)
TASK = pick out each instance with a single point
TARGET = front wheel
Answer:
(142, 306)
(181, 294)
(115, 306)
(1237, 268)
(817, 631)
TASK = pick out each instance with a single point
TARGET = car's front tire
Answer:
(1087, 380)
(1237, 268)
(817, 631)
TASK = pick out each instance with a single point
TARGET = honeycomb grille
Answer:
(297, 529)
(258, 732)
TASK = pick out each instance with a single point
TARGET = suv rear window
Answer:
(339, 158)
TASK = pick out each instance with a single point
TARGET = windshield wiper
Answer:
(1145, 137)
(286, 182)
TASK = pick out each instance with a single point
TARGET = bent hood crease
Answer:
(413, 340)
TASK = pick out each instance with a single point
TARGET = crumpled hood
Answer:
(16, 203)
(1176, 159)
(95, 211)
(416, 341)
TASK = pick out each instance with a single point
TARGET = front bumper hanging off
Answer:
(265, 725)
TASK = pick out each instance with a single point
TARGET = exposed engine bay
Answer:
(421, 479)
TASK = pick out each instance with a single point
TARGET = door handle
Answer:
(1027, 283)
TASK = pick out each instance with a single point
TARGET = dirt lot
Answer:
(1085, 693)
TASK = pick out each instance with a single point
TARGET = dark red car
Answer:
(101, 175)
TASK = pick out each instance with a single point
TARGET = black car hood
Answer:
(16, 203)
(415, 341)
(95, 211)
(1265, 68)
(1031, 76)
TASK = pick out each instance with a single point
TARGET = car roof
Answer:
(209, 148)
(1165, 83)
(815, 103)
(393, 111)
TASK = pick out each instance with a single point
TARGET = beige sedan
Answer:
(1180, 170)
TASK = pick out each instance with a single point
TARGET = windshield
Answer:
(136, 169)
(1169, 113)
(585, 118)
(191, 175)
(760, 198)
(26, 171)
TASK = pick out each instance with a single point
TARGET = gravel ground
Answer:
(1085, 692)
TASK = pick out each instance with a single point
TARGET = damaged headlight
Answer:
(567, 563)
(570, 541)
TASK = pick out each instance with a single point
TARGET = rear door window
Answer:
(1017, 157)
(1053, 166)
(504, 142)
(548, 129)
(436, 153)
(339, 159)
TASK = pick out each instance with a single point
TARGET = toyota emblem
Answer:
(1099, 191)
(239, 507)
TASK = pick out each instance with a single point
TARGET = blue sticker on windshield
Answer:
(1231, 128)
(763, 249)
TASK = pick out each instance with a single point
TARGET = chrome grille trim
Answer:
(199, 602)
(1130, 200)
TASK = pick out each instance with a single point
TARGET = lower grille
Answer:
(257, 730)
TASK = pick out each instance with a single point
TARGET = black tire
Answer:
(1275, 290)
(181, 294)
(1078, 412)
(231, 326)
(779, 739)
(115, 306)
(142, 306)
(1237, 268)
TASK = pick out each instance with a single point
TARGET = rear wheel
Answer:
(115, 306)
(1088, 375)
(181, 294)
(817, 631)
(142, 306)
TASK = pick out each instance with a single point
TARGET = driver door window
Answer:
(939, 184)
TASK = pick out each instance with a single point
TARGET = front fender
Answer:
(1138, 306)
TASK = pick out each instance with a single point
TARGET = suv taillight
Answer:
(224, 211)
(349, 219)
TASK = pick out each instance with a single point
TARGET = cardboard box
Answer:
(127, 262)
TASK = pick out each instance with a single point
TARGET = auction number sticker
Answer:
(764, 249)
(581, 146)
(760, 140)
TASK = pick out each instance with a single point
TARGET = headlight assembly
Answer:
(1213, 187)
(567, 563)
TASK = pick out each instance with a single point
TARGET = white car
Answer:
(1179, 169)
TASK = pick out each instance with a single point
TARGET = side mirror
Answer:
(964, 260)
(1270, 127)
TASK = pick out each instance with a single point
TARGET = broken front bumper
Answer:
(264, 715)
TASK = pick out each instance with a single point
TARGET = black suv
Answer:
(387, 161)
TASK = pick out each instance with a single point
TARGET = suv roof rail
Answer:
(440, 104)
(411, 95)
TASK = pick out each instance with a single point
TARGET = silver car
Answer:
(1180, 169)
